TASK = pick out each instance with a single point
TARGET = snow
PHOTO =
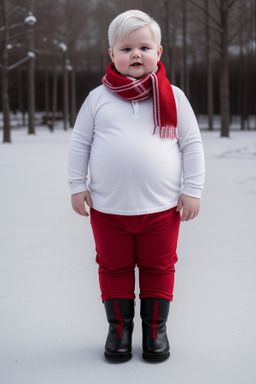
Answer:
(53, 325)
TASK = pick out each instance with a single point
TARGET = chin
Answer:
(138, 75)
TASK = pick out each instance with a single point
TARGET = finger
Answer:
(184, 215)
(195, 214)
(89, 201)
(190, 216)
(83, 212)
(179, 205)
(77, 211)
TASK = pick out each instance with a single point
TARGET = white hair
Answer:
(128, 21)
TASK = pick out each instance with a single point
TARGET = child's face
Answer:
(137, 54)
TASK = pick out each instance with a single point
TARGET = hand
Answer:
(77, 202)
(190, 207)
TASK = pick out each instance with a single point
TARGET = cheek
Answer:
(122, 60)
(152, 60)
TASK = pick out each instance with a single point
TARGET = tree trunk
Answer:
(54, 92)
(73, 93)
(4, 72)
(46, 89)
(173, 44)
(6, 106)
(65, 92)
(241, 83)
(208, 69)
(31, 78)
(184, 51)
(254, 49)
(167, 37)
(224, 70)
(20, 98)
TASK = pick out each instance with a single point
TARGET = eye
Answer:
(144, 48)
(126, 49)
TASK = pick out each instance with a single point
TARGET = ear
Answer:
(159, 52)
(111, 54)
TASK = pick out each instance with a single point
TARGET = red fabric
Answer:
(154, 321)
(120, 321)
(164, 106)
(148, 241)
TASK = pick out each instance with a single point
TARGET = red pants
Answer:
(150, 241)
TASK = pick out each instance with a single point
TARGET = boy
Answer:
(141, 137)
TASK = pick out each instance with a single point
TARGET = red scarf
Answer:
(164, 106)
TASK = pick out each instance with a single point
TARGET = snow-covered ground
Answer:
(52, 322)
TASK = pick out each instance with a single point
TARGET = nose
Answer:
(136, 54)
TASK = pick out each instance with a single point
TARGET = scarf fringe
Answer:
(168, 132)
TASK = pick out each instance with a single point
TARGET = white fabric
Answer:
(132, 171)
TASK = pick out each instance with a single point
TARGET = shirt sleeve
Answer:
(191, 148)
(79, 148)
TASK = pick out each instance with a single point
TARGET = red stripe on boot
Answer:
(154, 320)
(119, 320)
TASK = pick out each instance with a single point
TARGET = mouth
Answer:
(136, 65)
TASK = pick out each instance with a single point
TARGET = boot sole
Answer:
(156, 358)
(117, 358)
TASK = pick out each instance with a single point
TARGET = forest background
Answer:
(54, 52)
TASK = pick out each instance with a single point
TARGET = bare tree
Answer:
(173, 53)
(166, 12)
(169, 12)
(4, 72)
(31, 69)
(74, 23)
(208, 66)
(197, 34)
(245, 17)
(224, 7)
(253, 7)
(12, 28)
(242, 86)
(184, 70)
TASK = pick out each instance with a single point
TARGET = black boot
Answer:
(154, 313)
(120, 313)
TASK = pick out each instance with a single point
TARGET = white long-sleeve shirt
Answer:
(132, 171)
